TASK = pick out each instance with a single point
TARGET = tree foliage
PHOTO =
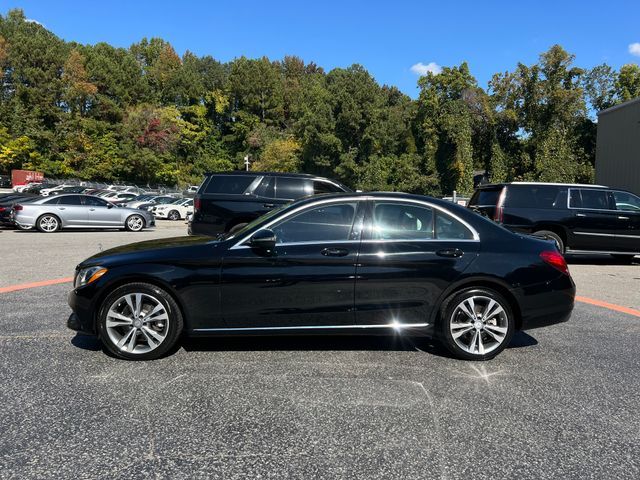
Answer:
(147, 114)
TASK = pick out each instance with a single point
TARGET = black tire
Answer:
(449, 314)
(552, 236)
(48, 223)
(624, 258)
(237, 226)
(174, 325)
(174, 215)
(134, 223)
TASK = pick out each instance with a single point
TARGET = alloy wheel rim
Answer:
(135, 223)
(48, 224)
(137, 323)
(479, 324)
(174, 216)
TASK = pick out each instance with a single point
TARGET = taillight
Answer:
(498, 216)
(2, 209)
(17, 207)
(196, 204)
(556, 260)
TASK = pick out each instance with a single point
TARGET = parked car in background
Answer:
(121, 198)
(6, 206)
(22, 188)
(69, 189)
(424, 267)
(45, 192)
(175, 210)
(579, 218)
(227, 201)
(51, 214)
(150, 199)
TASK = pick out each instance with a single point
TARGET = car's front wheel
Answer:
(174, 215)
(476, 324)
(139, 321)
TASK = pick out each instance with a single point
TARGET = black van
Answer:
(230, 200)
(580, 218)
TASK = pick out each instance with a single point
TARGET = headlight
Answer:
(88, 275)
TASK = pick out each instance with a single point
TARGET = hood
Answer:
(147, 251)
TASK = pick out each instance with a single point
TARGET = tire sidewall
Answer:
(559, 242)
(173, 311)
(446, 311)
(48, 215)
(126, 223)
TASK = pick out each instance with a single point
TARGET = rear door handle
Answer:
(450, 253)
(334, 252)
(580, 215)
(92, 209)
(623, 218)
(268, 205)
(60, 208)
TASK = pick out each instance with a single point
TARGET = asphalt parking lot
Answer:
(561, 402)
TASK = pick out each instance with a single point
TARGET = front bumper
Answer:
(82, 318)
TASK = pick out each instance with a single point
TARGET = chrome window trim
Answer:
(394, 325)
(346, 199)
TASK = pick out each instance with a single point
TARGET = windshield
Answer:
(257, 221)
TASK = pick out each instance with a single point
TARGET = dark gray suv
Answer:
(230, 200)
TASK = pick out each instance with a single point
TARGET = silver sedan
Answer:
(51, 214)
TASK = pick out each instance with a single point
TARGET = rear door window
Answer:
(288, 188)
(70, 200)
(590, 199)
(229, 184)
(401, 221)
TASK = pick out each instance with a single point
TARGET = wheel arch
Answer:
(556, 228)
(138, 278)
(481, 282)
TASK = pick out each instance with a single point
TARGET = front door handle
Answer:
(623, 218)
(450, 253)
(580, 215)
(268, 205)
(60, 208)
(92, 209)
(334, 252)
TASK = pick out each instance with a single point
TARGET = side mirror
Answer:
(264, 240)
(110, 205)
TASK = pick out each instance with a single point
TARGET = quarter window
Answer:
(448, 228)
(331, 222)
(399, 221)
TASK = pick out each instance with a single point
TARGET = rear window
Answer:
(230, 184)
(536, 196)
(485, 197)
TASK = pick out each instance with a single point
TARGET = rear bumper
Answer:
(548, 304)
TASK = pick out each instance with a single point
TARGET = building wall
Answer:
(618, 147)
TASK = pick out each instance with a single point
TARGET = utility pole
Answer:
(246, 162)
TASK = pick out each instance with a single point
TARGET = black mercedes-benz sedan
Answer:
(352, 263)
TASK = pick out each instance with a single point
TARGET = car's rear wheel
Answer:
(552, 236)
(134, 223)
(476, 324)
(174, 215)
(48, 223)
(139, 321)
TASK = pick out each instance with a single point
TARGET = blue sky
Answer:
(388, 38)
